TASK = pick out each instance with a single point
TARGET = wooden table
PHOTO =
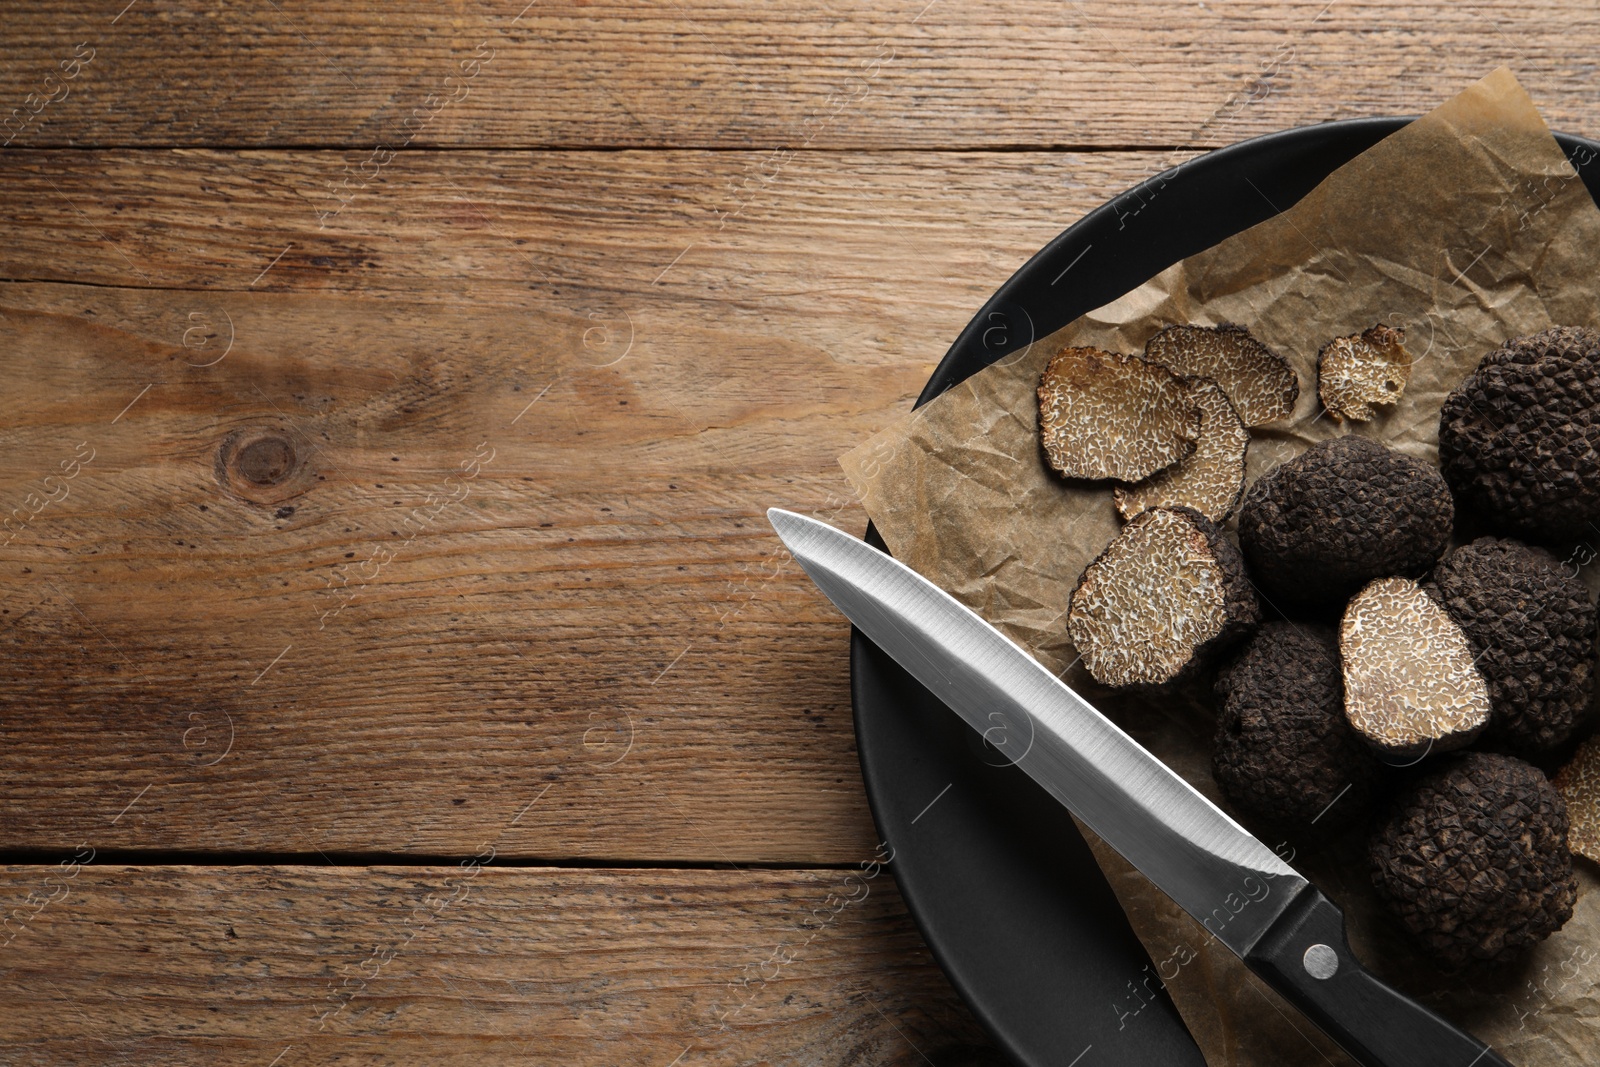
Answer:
(398, 667)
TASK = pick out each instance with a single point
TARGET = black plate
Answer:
(995, 873)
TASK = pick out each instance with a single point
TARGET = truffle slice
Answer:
(1355, 372)
(1107, 415)
(1284, 750)
(1211, 478)
(1343, 512)
(1259, 382)
(1167, 593)
(1579, 785)
(1474, 859)
(1532, 628)
(1410, 686)
(1519, 439)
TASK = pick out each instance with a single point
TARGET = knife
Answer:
(1278, 923)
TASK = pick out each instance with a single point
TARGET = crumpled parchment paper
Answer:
(1466, 227)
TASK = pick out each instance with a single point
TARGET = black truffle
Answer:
(1339, 514)
(1519, 439)
(1284, 750)
(1108, 415)
(1532, 628)
(1261, 385)
(1579, 785)
(1474, 859)
(1367, 368)
(1211, 478)
(1166, 595)
(1410, 686)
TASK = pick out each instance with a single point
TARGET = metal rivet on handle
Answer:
(1321, 962)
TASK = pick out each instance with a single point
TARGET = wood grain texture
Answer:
(521, 544)
(298, 966)
(359, 497)
(879, 241)
(951, 73)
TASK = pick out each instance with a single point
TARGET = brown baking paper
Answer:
(1466, 227)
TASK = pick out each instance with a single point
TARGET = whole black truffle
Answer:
(1284, 750)
(1532, 628)
(1341, 513)
(1519, 439)
(1474, 859)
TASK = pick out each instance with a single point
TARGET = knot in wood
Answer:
(266, 460)
(263, 465)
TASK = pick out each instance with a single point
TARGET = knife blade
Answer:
(1231, 883)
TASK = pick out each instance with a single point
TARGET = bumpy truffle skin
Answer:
(1519, 439)
(1284, 750)
(1339, 514)
(1532, 629)
(1474, 859)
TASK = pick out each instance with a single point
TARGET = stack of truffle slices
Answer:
(1405, 689)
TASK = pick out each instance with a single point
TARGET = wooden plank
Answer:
(297, 966)
(891, 236)
(729, 73)
(588, 600)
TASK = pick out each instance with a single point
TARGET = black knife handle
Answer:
(1377, 1025)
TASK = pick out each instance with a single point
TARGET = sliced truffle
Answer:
(1474, 860)
(1211, 478)
(1341, 513)
(1519, 439)
(1107, 415)
(1284, 750)
(1164, 596)
(1579, 785)
(1532, 629)
(1259, 382)
(1367, 368)
(1410, 686)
